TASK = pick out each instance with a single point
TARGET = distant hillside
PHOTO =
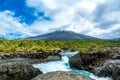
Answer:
(62, 35)
(116, 39)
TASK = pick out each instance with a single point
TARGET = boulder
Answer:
(18, 71)
(109, 69)
(61, 75)
(86, 61)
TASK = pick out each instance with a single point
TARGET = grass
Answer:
(86, 46)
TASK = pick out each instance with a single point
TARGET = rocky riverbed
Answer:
(18, 65)
(106, 64)
(36, 54)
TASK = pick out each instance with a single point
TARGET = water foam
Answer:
(63, 65)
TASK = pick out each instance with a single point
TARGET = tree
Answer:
(2, 39)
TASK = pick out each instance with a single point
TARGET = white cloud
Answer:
(62, 13)
(10, 24)
(73, 15)
(69, 15)
(111, 16)
(112, 32)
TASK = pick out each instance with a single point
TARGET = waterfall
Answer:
(63, 65)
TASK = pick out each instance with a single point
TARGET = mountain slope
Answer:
(62, 35)
(115, 39)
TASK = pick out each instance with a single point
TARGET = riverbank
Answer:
(64, 65)
(36, 54)
(106, 64)
(93, 61)
(18, 65)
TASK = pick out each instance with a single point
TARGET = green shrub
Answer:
(86, 46)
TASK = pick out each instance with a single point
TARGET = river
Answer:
(63, 65)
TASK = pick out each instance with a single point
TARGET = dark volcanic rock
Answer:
(20, 60)
(36, 54)
(17, 65)
(105, 64)
(60, 75)
(89, 61)
(109, 69)
(18, 72)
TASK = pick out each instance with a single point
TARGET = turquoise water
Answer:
(83, 72)
(63, 65)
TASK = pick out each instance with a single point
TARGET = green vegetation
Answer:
(30, 45)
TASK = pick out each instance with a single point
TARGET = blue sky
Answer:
(23, 18)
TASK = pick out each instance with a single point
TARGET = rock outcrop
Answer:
(37, 54)
(105, 64)
(109, 69)
(20, 60)
(60, 75)
(89, 61)
(18, 71)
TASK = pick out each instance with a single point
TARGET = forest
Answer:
(86, 46)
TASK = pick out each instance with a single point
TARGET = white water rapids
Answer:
(63, 65)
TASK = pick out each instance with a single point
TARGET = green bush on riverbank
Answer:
(29, 45)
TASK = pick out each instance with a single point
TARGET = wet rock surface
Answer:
(18, 65)
(18, 71)
(110, 69)
(105, 64)
(61, 75)
(89, 61)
